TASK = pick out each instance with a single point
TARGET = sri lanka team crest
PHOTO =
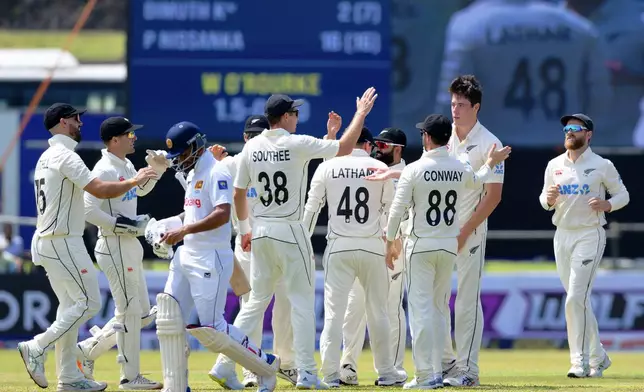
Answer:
(199, 184)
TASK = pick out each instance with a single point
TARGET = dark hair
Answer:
(251, 135)
(273, 119)
(468, 87)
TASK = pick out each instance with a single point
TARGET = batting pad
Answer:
(106, 338)
(172, 344)
(220, 343)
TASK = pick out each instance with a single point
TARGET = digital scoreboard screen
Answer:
(216, 62)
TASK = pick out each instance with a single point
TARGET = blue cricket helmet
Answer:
(180, 138)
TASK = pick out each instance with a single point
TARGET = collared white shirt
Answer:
(589, 176)
(473, 150)
(59, 180)
(209, 185)
(103, 212)
(276, 164)
(355, 205)
(251, 193)
(433, 187)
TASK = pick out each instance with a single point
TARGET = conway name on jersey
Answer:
(537, 60)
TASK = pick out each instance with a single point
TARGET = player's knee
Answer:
(574, 300)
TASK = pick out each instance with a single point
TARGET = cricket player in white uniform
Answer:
(276, 164)
(390, 144)
(281, 320)
(575, 186)
(59, 181)
(432, 186)
(355, 251)
(120, 257)
(470, 142)
(201, 269)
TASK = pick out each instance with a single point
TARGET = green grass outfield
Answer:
(90, 46)
(517, 370)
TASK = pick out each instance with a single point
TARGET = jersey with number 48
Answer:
(355, 205)
(536, 61)
(433, 186)
(276, 163)
(59, 180)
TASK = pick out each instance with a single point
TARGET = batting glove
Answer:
(134, 227)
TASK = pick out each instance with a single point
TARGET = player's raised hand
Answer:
(497, 156)
(145, 174)
(333, 125)
(382, 174)
(365, 104)
(218, 151)
(552, 195)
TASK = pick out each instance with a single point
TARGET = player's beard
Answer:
(75, 133)
(574, 143)
(387, 159)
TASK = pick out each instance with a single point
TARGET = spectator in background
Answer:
(12, 248)
(537, 61)
(621, 25)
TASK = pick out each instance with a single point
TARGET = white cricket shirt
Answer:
(276, 164)
(251, 193)
(433, 186)
(59, 180)
(355, 205)
(473, 150)
(102, 212)
(209, 185)
(589, 176)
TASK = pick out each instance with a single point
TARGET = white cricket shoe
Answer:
(333, 380)
(348, 375)
(462, 379)
(426, 384)
(250, 379)
(449, 369)
(289, 375)
(579, 371)
(398, 378)
(34, 360)
(308, 380)
(225, 377)
(83, 385)
(268, 384)
(599, 370)
(140, 383)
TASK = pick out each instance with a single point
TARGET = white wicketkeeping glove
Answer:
(154, 232)
(135, 227)
(158, 161)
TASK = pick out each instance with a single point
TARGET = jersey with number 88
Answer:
(275, 163)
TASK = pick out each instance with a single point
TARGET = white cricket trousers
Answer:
(199, 278)
(121, 259)
(578, 254)
(282, 250)
(468, 312)
(74, 280)
(345, 261)
(430, 263)
(281, 320)
(355, 322)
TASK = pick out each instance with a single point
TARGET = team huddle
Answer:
(391, 227)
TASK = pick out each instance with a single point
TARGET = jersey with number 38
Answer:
(433, 187)
(276, 163)
(59, 180)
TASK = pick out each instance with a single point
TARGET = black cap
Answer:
(392, 135)
(365, 136)
(587, 121)
(180, 137)
(117, 126)
(278, 104)
(437, 126)
(57, 111)
(256, 123)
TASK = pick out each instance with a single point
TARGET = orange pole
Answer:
(44, 85)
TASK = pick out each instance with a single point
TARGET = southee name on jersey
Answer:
(348, 172)
(271, 156)
(443, 175)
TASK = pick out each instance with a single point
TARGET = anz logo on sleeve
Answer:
(574, 189)
(251, 192)
(129, 195)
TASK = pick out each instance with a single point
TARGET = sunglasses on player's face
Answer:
(384, 145)
(294, 112)
(574, 128)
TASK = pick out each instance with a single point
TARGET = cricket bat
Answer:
(238, 280)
